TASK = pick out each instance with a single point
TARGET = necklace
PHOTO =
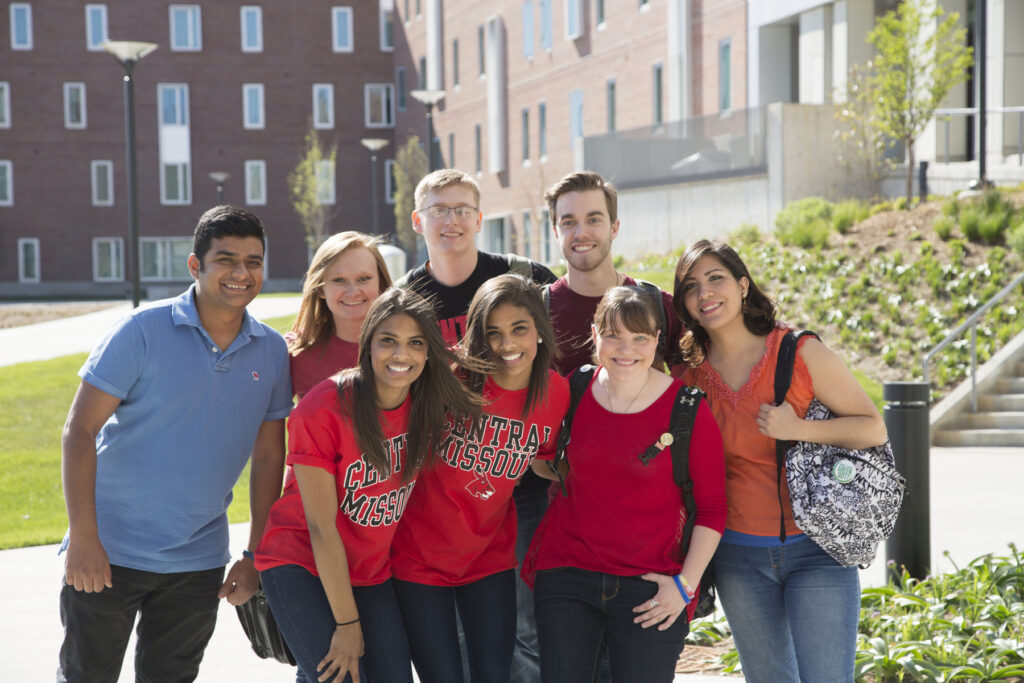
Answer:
(644, 386)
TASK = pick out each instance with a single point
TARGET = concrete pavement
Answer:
(976, 508)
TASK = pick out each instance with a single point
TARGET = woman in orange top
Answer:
(793, 610)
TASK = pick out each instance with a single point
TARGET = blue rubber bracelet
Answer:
(248, 553)
(682, 591)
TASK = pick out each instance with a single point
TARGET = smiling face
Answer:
(584, 229)
(351, 284)
(512, 337)
(449, 234)
(398, 353)
(712, 295)
(230, 275)
(624, 353)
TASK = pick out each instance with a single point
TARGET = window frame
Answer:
(5, 104)
(481, 56)
(546, 24)
(658, 93)
(725, 75)
(91, 44)
(455, 63)
(256, 11)
(573, 17)
(401, 101)
(251, 199)
(117, 264)
(329, 89)
(7, 178)
(336, 45)
(542, 130)
(164, 258)
(14, 9)
(330, 197)
(575, 116)
(195, 16)
(388, 88)
(611, 109)
(108, 170)
(261, 122)
(184, 182)
(478, 152)
(389, 181)
(528, 46)
(68, 122)
(387, 39)
(180, 106)
(22, 277)
(525, 130)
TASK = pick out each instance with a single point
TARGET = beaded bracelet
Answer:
(682, 591)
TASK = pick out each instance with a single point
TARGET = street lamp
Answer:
(220, 177)
(128, 53)
(374, 145)
(429, 98)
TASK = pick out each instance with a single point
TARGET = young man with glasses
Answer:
(448, 216)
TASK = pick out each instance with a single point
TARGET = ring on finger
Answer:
(654, 603)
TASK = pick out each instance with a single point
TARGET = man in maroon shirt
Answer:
(583, 207)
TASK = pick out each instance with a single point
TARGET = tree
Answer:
(311, 186)
(861, 144)
(410, 166)
(921, 54)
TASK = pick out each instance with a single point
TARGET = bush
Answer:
(901, 204)
(879, 208)
(951, 207)
(846, 213)
(943, 226)
(1015, 238)
(747, 233)
(992, 227)
(805, 223)
(970, 223)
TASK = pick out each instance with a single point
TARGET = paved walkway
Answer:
(976, 508)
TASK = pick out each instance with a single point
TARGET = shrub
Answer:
(992, 226)
(970, 223)
(901, 204)
(1015, 238)
(846, 213)
(951, 207)
(943, 227)
(879, 208)
(747, 233)
(805, 223)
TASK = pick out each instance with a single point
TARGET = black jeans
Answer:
(178, 615)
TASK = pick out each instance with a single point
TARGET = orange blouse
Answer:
(750, 475)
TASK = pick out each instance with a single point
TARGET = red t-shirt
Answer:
(368, 508)
(313, 365)
(620, 516)
(460, 524)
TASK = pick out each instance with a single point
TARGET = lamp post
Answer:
(128, 53)
(220, 177)
(429, 98)
(374, 145)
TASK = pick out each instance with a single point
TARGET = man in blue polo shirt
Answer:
(172, 404)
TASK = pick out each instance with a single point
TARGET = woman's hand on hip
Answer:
(664, 608)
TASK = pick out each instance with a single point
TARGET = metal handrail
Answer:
(972, 322)
(946, 114)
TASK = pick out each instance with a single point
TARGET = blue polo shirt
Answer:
(171, 452)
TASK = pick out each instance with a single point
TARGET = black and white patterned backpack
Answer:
(846, 501)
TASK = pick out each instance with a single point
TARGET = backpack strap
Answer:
(545, 295)
(654, 291)
(783, 378)
(684, 414)
(520, 265)
(402, 282)
(578, 383)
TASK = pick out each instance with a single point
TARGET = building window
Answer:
(542, 130)
(6, 183)
(379, 108)
(252, 28)
(451, 150)
(575, 116)
(573, 19)
(74, 105)
(341, 28)
(164, 258)
(477, 151)
(28, 259)
(325, 181)
(724, 75)
(323, 105)
(186, 28)
(421, 73)
(527, 237)
(102, 173)
(389, 181)
(5, 104)
(107, 259)
(545, 236)
(387, 25)
(95, 27)
(526, 134)
(175, 184)
(21, 26)
(407, 16)
(610, 97)
(599, 11)
(645, 5)
(455, 63)
(400, 87)
(173, 105)
(418, 9)
(481, 61)
(545, 24)
(252, 105)
(528, 28)
(656, 88)
(256, 183)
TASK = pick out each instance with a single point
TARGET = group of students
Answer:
(428, 413)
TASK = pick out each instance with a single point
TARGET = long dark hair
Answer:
(515, 291)
(435, 394)
(758, 313)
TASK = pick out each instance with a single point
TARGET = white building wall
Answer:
(815, 55)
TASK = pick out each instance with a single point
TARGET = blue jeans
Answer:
(178, 615)
(300, 607)
(530, 507)
(580, 614)
(793, 611)
(487, 611)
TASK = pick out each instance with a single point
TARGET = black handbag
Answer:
(261, 629)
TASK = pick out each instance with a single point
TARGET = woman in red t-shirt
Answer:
(455, 547)
(357, 441)
(609, 575)
(345, 277)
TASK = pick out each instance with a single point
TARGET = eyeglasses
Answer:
(442, 211)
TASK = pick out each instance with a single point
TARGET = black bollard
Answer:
(922, 181)
(906, 419)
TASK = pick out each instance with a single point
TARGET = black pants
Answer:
(178, 614)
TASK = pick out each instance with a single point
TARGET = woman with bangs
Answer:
(793, 610)
(455, 548)
(606, 561)
(345, 277)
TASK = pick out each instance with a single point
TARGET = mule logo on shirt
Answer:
(481, 486)
(255, 376)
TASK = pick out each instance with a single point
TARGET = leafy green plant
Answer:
(805, 223)
(943, 226)
(1015, 238)
(847, 213)
(970, 223)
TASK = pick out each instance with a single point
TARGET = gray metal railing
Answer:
(946, 117)
(972, 323)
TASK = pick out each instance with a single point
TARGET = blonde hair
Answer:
(443, 178)
(314, 324)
